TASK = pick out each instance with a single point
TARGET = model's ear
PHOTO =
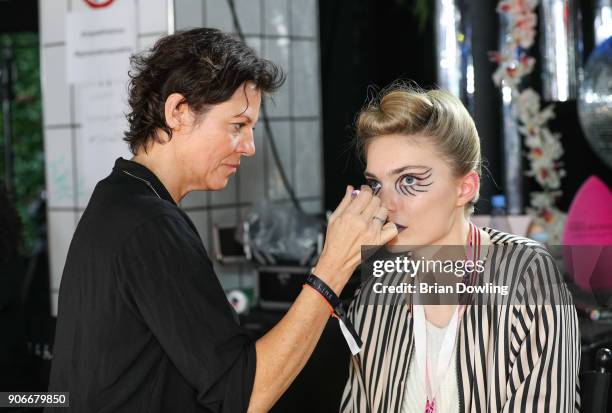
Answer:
(468, 188)
(176, 111)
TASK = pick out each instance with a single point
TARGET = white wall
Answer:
(67, 196)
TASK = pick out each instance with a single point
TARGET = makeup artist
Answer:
(143, 323)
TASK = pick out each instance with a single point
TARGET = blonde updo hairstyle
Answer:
(435, 115)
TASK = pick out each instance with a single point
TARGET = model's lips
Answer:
(399, 227)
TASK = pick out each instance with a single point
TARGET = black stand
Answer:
(595, 384)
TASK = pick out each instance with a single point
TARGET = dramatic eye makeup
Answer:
(374, 184)
(407, 183)
(413, 183)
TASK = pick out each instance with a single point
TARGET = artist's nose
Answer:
(246, 146)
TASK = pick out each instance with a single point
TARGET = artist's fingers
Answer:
(344, 203)
(372, 208)
(361, 200)
(380, 216)
(389, 231)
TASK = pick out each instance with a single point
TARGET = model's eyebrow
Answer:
(399, 170)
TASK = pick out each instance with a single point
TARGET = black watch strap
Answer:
(350, 335)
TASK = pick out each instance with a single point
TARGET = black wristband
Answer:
(327, 293)
(346, 326)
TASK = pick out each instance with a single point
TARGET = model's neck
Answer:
(162, 164)
(459, 232)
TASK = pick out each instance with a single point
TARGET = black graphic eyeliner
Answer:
(404, 189)
(413, 188)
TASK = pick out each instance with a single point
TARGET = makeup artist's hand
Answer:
(356, 222)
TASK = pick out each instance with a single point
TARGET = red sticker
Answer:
(97, 4)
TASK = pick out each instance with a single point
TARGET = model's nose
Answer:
(387, 200)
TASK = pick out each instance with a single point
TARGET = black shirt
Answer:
(143, 322)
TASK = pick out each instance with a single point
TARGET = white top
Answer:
(415, 396)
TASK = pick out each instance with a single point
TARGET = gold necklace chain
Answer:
(143, 180)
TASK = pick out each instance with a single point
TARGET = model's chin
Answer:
(395, 241)
(402, 238)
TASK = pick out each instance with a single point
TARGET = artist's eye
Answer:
(375, 185)
(236, 127)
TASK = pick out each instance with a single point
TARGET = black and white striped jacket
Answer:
(510, 358)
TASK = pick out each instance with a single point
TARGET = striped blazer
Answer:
(510, 358)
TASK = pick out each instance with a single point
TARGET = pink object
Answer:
(587, 238)
(430, 406)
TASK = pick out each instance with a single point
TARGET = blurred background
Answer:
(536, 77)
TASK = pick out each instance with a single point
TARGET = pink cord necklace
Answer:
(450, 336)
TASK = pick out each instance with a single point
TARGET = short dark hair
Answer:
(205, 65)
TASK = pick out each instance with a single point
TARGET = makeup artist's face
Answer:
(211, 148)
(416, 184)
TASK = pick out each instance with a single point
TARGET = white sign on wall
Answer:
(101, 110)
(99, 42)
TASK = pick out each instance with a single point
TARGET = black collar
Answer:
(134, 170)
